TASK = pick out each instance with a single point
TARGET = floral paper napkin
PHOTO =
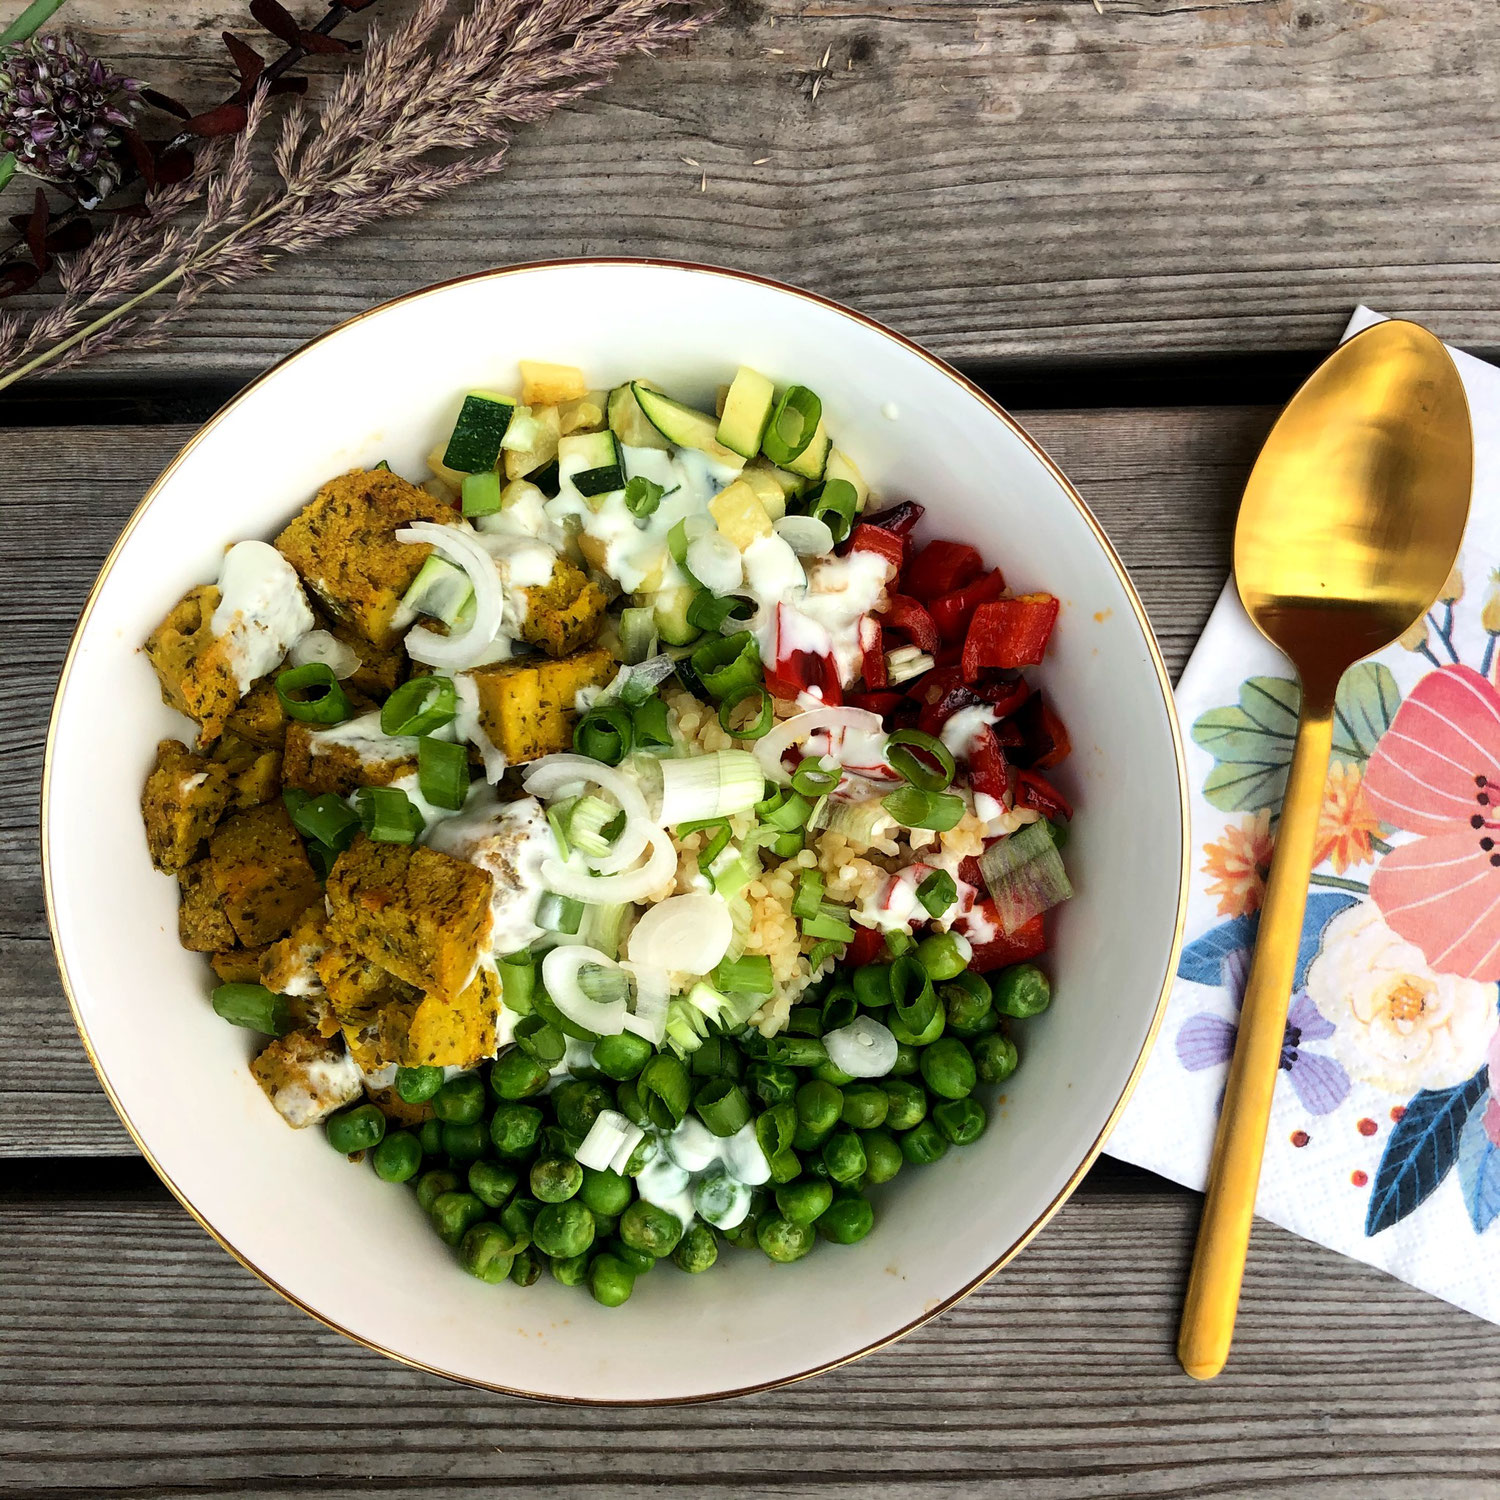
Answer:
(1385, 1135)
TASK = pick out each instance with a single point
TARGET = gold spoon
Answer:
(1349, 527)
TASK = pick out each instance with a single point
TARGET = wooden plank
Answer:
(998, 178)
(136, 1358)
(1163, 482)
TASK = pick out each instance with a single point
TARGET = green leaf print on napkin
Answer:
(1251, 742)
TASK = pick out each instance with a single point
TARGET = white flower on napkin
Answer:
(1400, 1025)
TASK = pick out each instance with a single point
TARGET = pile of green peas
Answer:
(495, 1167)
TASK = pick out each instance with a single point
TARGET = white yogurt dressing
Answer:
(962, 730)
(262, 610)
(695, 1172)
(366, 739)
(822, 615)
(467, 726)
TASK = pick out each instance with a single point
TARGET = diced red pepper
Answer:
(872, 653)
(1003, 692)
(988, 772)
(931, 687)
(969, 871)
(903, 613)
(952, 612)
(793, 672)
(889, 544)
(900, 519)
(1039, 793)
(883, 703)
(1044, 736)
(940, 568)
(1029, 940)
(868, 945)
(1009, 633)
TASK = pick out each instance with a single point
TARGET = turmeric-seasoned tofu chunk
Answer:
(564, 614)
(380, 1039)
(262, 873)
(527, 707)
(345, 549)
(202, 926)
(395, 1108)
(194, 665)
(259, 716)
(237, 965)
(422, 915)
(184, 798)
(290, 965)
(456, 1033)
(317, 761)
(380, 669)
(357, 988)
(254, 772)
(307, 1077)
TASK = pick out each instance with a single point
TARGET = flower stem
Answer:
(1338, 883)
(30, 21)
(1380, 845)
(1489, 654)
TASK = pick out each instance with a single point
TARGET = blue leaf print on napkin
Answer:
(1479, 1170)
(1421, 1150)
(1220, 956)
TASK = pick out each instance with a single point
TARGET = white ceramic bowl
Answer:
(356, 1252)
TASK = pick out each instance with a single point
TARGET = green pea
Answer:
(526, 1269)
(465, 1142)
(605, 1192)
(610, 1280)
(644, 1226)
(487, 1251)
(398, 1157)
(514, 1129)
(453, 1214)
(923, 1143)
(638, 1158)
(578, 1104)
(570, 1270)
(743, 1235)
(604, 1224)
(847, 1221)
(628, 1098)
(967, 1012)
(1022, 991)
(519, 1218)
(831, 1073)
(540, 1039)
(819, 1106)
(563, 1228)
(491, 1183)
(775, 1083)
(432, 1185)
(355, 1129)
(865, 1106)
(460, 1101)
(418, 1085)
(908, 1103)
(883, 1157)
(942, 956)
(517, 1076)
(623, 1056)
(783, 1240)
(697, 1250)
(906, 1062)
(430, 1134)
(638, 1261)
(802, 1201)
(872, 986)
(554, 1180)
(995, 1058)
(960, 1120)
(844, 1156)
(948, 1068)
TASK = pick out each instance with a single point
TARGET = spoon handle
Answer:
(1213, 1292)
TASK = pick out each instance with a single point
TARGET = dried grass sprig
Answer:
(430, 109)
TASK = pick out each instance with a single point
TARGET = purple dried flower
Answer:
(61, 112)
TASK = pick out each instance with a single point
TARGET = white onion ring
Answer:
(546, 777)
(574, 879)
(648, 1018)
(689, 933)
(560, 969)
(863, 1049)
(807, 536)
(715, 562)
(769, 748)
(462, 548)
(318, 645)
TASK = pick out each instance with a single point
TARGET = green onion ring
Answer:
(762, 722)
(329, 705)
(902, 749)
(419, 706)
(604, 733)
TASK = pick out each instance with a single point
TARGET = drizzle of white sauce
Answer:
(262, 611)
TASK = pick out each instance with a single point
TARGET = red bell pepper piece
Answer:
(999, 952)
(900, 519)
(906, 614)
(868, 945)
(1044, 735)
(884, 702)
(952, 612)
(940, 568)
(794, 671)
(988, 772)
(970, 873)
(1003, 693)
(872, 653)
(889, 544)
(1037, 792)
(1009, 633)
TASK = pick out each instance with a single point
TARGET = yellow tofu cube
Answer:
(740, 515)
(527, 707)
(550, 385)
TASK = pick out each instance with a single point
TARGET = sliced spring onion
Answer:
(911, 807)
(913, 999)
(715, 562)
(822, 952)
(682, 535)
(807, 536)
(762, 713)
(319, 645)
(320, 699)
(462, 648)
(784, 811)
(788, 845)
(481, 493)
(574, 879)
(647, 1016)
(558, 817)
(610, 1134)
(711, 612)
(638, 635)
(562, 974)
(387, 815)
(642, 496)
(862, 1049)
(689, 933)
(907, 662)
(862, 822)
(899, 942)
(649, 721)
(443, 772)
(601, 926)
(723, 1106)
(605, 734)
(808, 901)
(645, 678)
(814, 778)
(561, 914)
(715, 846)
(588, 817)
(542, 1040)
(419, 706)
(792, 425)
(750, 974)
(728, 665)
(517, 982)
(440, 590)
(1025, 875)
(829, 924)
(327, 818)
(546, 777)
(937, 893)
(907, 752)
(716, 785)
(836, 504)
(770, 750)
(254, 1007)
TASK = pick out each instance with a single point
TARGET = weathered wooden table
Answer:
(1138, 227)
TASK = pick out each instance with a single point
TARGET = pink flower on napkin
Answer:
(1436, 773)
